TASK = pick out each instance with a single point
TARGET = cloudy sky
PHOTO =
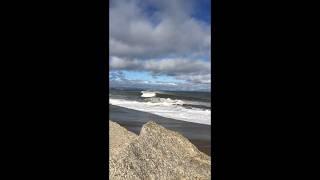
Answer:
(160, 44)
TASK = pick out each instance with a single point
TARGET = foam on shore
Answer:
(167, 108)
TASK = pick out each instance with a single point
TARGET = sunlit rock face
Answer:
(157, 153)
(119, 137)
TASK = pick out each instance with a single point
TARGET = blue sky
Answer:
(160, 44)
(203, 10)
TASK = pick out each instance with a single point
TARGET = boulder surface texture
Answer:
(157, 153)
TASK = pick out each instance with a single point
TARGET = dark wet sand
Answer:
(198, 134)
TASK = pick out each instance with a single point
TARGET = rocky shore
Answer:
(156, 153)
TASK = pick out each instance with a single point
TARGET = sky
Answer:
(160, 44)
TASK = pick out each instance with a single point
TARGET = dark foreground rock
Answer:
(157, 153)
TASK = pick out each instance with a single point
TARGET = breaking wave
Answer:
(166, 107)
(148, 94)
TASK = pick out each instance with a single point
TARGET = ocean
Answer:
(192, 107)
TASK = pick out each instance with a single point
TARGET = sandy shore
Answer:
(198, 134)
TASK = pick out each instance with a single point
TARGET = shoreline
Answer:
(132, 120)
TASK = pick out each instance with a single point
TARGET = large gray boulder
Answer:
(157, 153)
(119, 137)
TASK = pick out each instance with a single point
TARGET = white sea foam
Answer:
(148, 94)
(165, 101)
(167, 108)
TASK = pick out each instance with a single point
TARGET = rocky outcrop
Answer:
(119, 138)
(157, 153)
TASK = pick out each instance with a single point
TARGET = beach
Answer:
(132, 120)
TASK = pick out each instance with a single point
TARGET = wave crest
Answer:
(167, 108)
(148, 94)
(165, 101)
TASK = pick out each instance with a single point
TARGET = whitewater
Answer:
(165, 107)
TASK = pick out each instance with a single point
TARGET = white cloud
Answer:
(160, 37)
(134, 34)
(178, 67)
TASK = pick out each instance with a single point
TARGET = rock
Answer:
(157, 153)
(119, 137)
